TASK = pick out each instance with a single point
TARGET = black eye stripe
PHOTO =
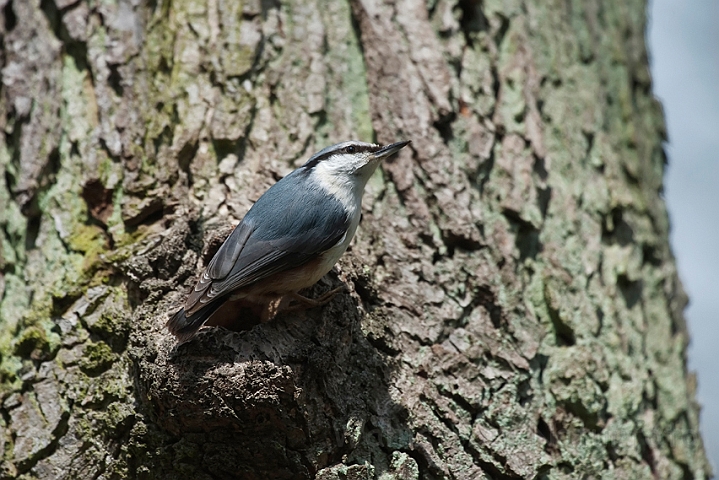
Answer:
(313, 161)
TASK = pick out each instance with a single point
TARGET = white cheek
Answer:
(344, 187)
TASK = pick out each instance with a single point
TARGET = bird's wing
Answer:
(253, 252)
(220, 265)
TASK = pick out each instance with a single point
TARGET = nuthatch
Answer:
(291, 237)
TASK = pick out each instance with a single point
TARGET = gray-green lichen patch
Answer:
(34, 343)
(96, 358)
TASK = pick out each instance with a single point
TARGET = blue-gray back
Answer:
(289, 225)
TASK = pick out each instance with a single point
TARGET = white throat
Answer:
(345, 187)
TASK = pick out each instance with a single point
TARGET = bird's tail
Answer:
(185, 327)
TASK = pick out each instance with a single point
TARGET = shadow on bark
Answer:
(283, 399)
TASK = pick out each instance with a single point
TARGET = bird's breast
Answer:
(303, 276)
(295, 279)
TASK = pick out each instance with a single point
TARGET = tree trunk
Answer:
(513, 307)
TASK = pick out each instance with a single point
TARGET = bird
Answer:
(291, 237)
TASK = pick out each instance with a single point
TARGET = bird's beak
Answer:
(390, 149)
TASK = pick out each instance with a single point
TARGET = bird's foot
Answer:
(315, 302)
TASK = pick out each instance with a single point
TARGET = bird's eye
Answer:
(350, 149)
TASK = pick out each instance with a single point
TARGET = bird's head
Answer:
(352, 159)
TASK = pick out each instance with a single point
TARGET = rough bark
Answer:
(513, 310)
